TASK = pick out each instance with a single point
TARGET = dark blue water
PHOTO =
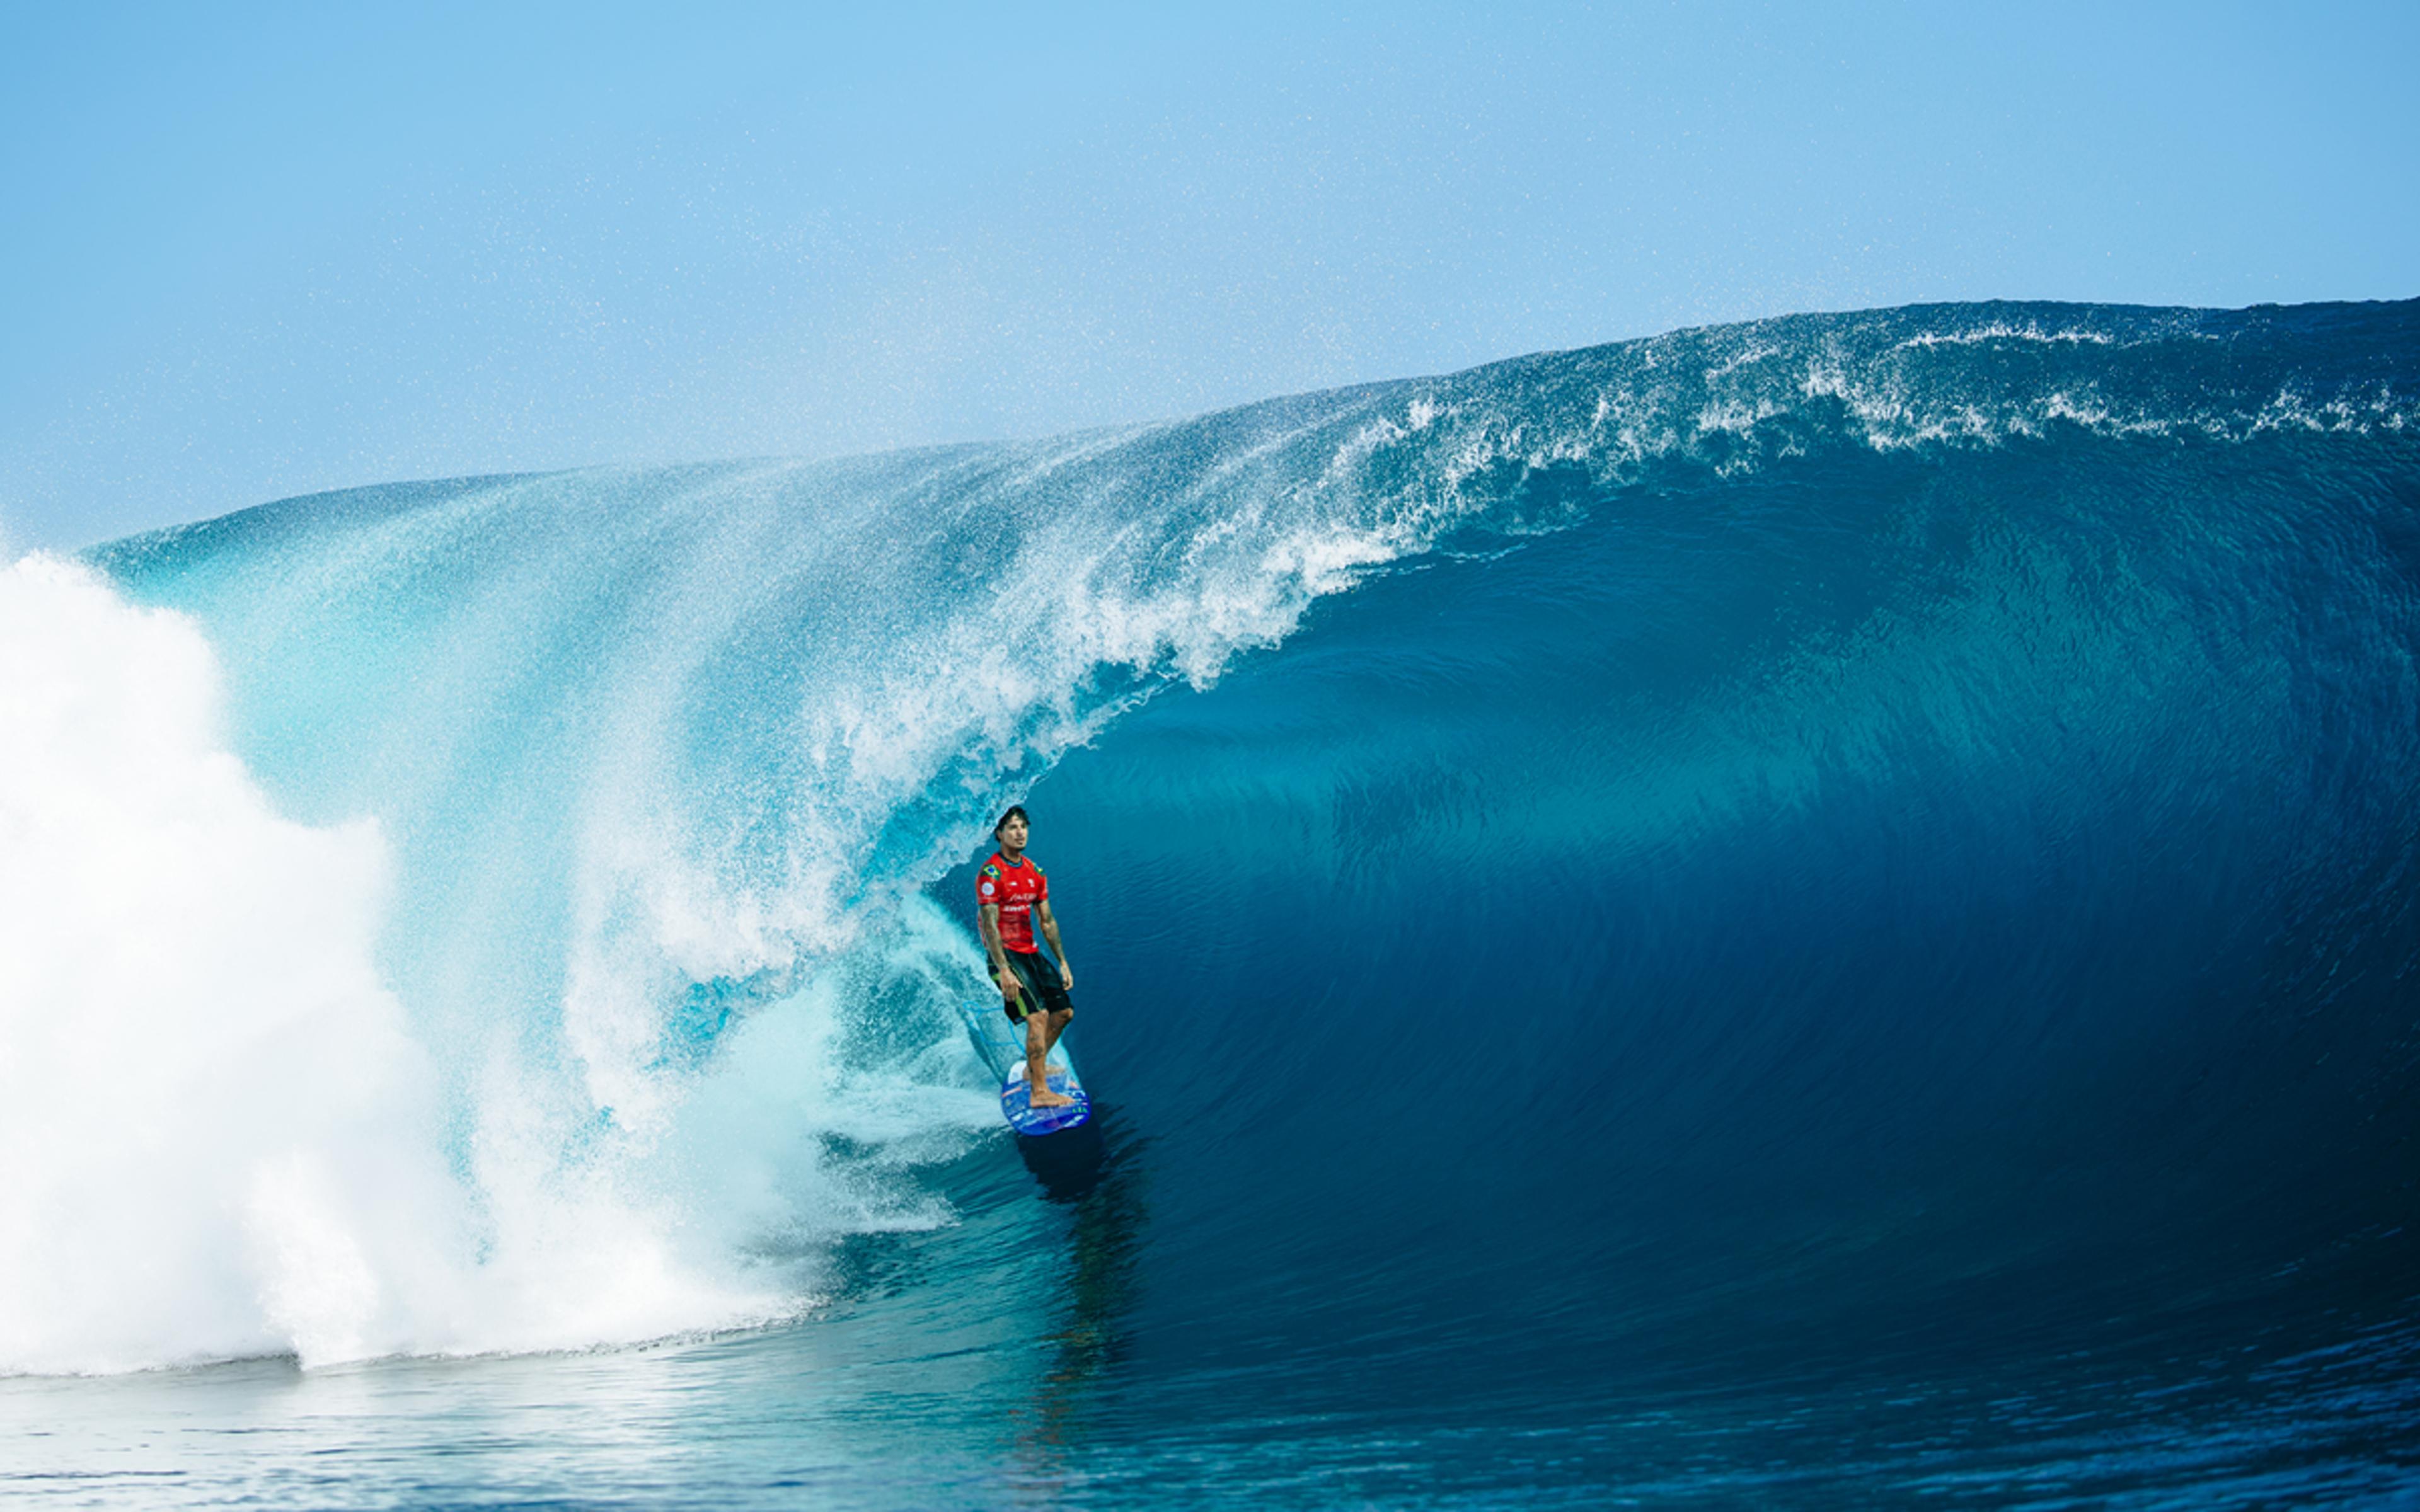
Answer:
(1807, 913)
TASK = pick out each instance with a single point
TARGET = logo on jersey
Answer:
(987, 889)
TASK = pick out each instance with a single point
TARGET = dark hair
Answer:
(1016, 810)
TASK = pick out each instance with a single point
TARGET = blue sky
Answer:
(249, 252)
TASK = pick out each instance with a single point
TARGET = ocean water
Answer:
(1816, 912)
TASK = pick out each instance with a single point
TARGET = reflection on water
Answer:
(1097, 1180)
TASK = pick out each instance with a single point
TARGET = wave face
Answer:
(1851, 843)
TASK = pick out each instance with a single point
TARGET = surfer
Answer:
(1011, 896)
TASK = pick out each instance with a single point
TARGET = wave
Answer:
(1744, 826)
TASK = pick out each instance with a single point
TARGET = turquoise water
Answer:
(1811, 913)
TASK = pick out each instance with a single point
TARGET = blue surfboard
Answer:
(1015, 1104)
(1002, 1045)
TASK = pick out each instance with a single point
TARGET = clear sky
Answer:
(249, 252)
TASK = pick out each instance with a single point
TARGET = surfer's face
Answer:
(1012, 834)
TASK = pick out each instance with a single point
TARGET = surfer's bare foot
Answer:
(1041, 1097)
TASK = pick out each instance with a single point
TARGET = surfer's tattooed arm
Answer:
(1050, 931)
(987, 917)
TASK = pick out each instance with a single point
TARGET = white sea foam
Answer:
(198, 1057)
(218, 1137)
(1999, 331)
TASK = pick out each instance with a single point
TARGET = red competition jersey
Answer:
(1015, 889)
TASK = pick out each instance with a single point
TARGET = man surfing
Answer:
(1011, 895)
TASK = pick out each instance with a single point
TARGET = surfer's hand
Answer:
(1067, 975)
(1007, 981)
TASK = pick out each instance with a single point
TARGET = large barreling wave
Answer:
(1843, 839)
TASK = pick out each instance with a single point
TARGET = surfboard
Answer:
(1002, 1045)
(1015, 1105)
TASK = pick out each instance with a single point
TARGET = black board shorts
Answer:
(1041, 980)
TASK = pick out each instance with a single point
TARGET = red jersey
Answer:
(1015, 889)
